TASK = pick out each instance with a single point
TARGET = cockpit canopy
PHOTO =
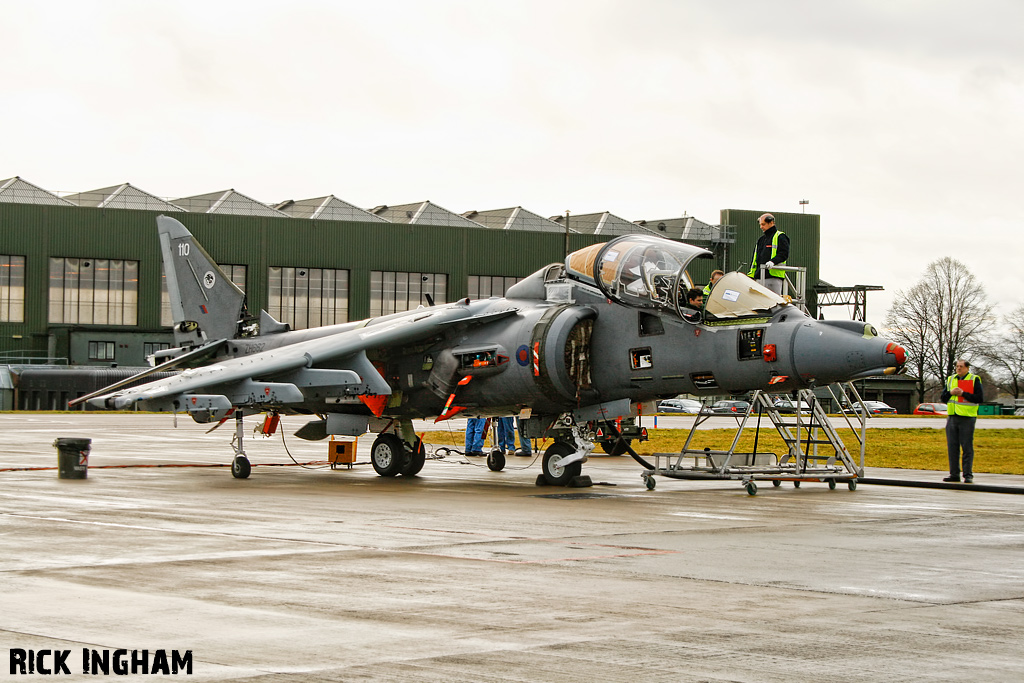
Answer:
(637, 270)
(650, 272)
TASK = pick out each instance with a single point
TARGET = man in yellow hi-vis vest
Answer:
(963, 393)
(716, 275)
(772, 250)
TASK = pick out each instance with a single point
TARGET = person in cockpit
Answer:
(694, 301)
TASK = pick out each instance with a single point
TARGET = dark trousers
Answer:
(524, 443)
(960, 436)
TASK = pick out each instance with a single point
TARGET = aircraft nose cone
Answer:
(843, 351)
(899, 354)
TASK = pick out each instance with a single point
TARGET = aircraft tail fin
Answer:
(205, 304)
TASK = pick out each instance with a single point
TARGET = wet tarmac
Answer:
(463, 574)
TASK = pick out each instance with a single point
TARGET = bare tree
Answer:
(1006, 353)
(963, 314)
(945, 316)
(909, 324)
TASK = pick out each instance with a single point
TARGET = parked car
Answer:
(785, 405)
(874, 407)
(729, 407)
(681, 405)
(931, 409)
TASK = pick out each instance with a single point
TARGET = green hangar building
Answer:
(81, 279)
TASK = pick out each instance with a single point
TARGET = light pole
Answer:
(803, 205)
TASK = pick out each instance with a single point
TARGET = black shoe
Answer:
(475, 454)
(951, 479)
(524, 453)
(968, 480)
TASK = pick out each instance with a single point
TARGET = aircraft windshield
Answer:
(640, 271)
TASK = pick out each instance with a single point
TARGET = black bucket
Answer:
(72, 458)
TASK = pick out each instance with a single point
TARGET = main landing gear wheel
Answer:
(555, 474)
(240, 467)
(617, 447)
(387, 455)
(415, 459)
(495, 461)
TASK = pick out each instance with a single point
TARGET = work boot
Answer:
(951, 479)
(523, 453)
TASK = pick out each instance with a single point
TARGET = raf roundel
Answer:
(523, 355)
(209, 280)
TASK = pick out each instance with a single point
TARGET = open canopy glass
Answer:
(650, 272)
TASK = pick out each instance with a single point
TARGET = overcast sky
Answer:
(902, 122)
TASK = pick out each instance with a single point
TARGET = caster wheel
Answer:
(650, 483)
(796, 484)
(240, 467)
(852, 484)
(776, 483)
(751, 488)
(831, 484)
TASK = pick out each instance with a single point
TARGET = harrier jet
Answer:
(575, 344)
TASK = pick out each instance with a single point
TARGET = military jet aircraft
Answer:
(576, 344)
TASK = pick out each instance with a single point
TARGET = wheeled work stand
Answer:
(816, 452)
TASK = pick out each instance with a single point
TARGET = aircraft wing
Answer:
(200, 353)
(278, 375)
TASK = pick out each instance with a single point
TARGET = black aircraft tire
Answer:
(555, 475)
(496, 461)
(240, 467)
(415, 460)
(616, 447)
(387, 455)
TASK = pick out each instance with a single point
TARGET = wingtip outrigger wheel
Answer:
(496, 461)
(240, 466)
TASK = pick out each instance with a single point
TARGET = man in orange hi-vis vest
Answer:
(963, 393)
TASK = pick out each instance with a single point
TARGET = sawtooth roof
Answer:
(124, 196)
(422, 213)
(327, 208)
(226, 202)
(18, 191)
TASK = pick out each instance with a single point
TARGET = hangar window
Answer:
(149, 348)
(86, 291)
(12, 289)
(235, 273)
(395, 292)
(101, 350)
(308, 297)
(484, 286)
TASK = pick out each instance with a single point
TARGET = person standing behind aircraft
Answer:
(506, 435)
(963, 393)
(475, 427)
(525, 448)
(716, 275)
(772, 250)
